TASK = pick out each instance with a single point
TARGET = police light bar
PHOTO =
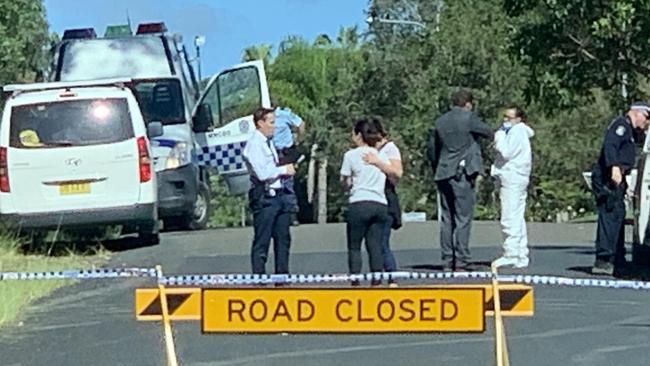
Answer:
(81, 33)
(146, 28)
(117, 31)
(65, 85)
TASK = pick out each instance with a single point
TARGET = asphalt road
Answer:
(92, 323)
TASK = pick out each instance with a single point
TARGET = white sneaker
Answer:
(506, 261)
(522, 262)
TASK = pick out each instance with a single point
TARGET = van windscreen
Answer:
(160, 100)
(70, 123)
(132, 57)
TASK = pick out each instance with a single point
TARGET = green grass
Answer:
(585, 219)
(593, 217)
(16, 295)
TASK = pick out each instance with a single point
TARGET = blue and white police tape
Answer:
(253, 279)
(102, 273)
(575, 282)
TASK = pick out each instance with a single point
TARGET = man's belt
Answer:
(260, 189)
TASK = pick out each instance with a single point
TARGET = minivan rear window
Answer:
(70, 123)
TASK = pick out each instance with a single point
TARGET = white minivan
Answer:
(76, 154)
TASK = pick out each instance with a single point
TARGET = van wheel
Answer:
(198, 219)
(148, 235)
(35, 241)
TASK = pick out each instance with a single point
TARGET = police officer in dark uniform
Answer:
(609, 186)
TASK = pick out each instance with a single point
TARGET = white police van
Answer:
(202, 133)
(76, 155)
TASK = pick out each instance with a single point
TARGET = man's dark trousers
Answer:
(289, 155)
(271, 220)
(457, 202)
(610, 235)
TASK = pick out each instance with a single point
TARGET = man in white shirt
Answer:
(271, 212)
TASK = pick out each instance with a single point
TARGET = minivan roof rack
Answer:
(65, 84)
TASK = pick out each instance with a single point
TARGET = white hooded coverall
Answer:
(511, 170)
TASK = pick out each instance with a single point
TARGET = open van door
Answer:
(223, 121)
(641, 241)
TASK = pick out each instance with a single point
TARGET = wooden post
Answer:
(500, 346)
(167, 326)
(243, 215)
(322, 191)
(311, 174)
(439, 208)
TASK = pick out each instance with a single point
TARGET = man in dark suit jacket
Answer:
(456, 160)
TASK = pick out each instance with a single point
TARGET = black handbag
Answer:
(394, 209)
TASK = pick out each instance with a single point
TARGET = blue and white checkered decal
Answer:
(228, 157)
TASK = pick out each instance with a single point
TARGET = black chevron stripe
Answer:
(509, 299)
(174, 301)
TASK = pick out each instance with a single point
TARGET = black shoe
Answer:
(375, 283)
(624, 270)
(602, 268)
(448, 267)
(355, 283)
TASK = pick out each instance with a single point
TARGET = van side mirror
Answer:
(203, 118)
(154, 129)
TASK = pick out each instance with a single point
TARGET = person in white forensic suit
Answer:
(511, 170)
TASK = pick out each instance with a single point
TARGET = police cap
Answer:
(642, 106)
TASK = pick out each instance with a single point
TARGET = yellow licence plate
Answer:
(74, 188)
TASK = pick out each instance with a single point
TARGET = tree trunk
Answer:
(311, 174)
(322, 191)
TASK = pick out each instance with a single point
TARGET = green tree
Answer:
(23, 38)
(413, 71)
(573, 46)
(405, 74)
(259, 52)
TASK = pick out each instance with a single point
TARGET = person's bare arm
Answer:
(302, 129)
(392, 168)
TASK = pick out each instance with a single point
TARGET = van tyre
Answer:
(198, 218)
(148, 235)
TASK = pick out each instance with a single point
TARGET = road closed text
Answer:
(343, 310)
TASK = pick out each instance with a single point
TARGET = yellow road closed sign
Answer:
(335, 310)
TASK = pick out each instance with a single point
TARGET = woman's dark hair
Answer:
(367, 127)
(379, 126)
(519, 112)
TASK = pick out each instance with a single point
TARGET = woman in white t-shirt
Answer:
(393, 170)
(367, 212)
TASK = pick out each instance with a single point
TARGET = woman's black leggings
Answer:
(366, 220)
